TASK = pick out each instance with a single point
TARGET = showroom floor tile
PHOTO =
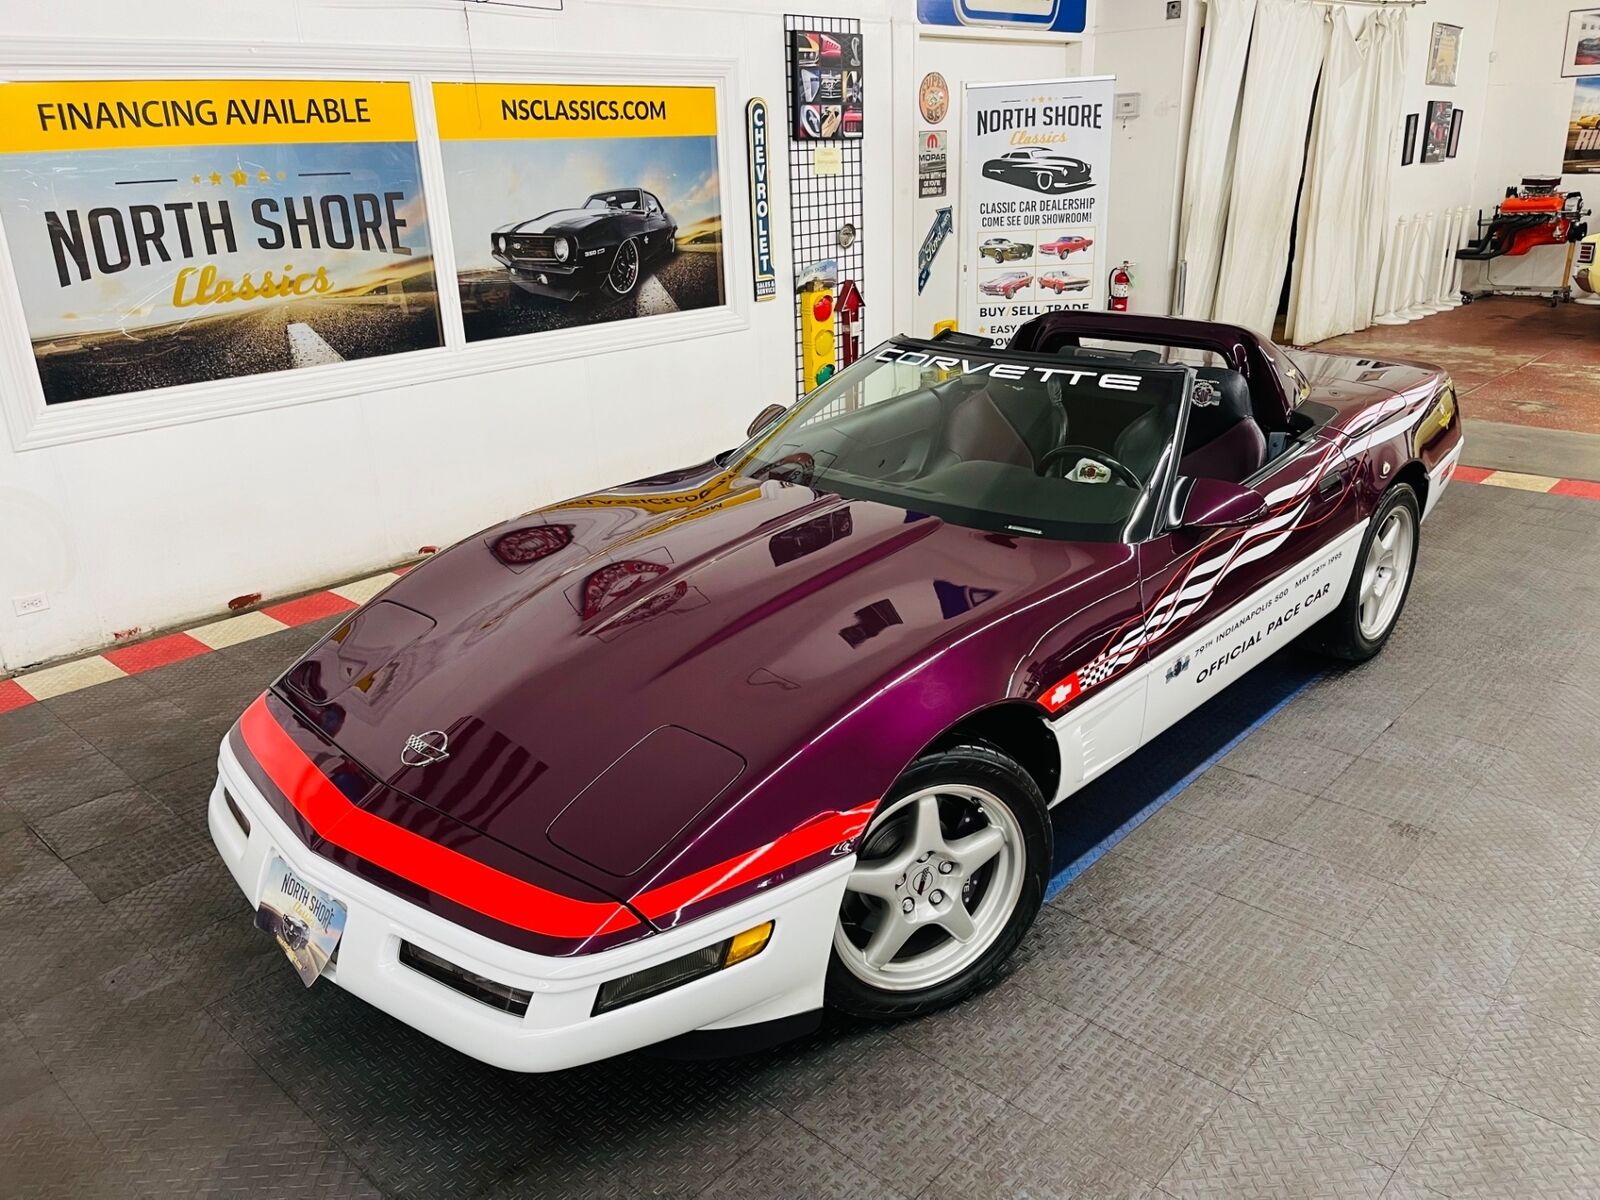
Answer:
(1358, 956)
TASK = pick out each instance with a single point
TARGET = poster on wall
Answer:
(827, 85)
(1037, 169)
(1436, 135)
(168, 232)
(1581, 55)
(1444, 54)
(932, 163)
(1583, 130)
(574, 205)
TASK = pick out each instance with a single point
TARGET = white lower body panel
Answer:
(558, 1030)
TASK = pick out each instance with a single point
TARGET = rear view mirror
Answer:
(1218, 504)
(765, 417)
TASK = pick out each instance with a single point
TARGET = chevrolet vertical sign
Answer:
(756, 128)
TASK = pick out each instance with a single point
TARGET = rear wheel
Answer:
(1372, 604)
(948, 878)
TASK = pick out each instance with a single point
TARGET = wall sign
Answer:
(825, 81)
(1581, 56)
(167, 232)
(1444, 55)
(1037, 170)
(756, 128)
(942, 227)
(931, 163)
(576, 204)
(1041, 16)
(1583, 130)
(1436, 134)
(933, 98)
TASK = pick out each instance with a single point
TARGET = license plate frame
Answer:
(307, 921)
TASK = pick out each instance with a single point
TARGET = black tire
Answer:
(1339, 634)
(983, 766)
(630, 246)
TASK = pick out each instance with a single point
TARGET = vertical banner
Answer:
(576, 204)
(758, 143)
(168, 232)
(1036, 174)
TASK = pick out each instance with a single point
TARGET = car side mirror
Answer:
(1218, 504)
(765, 417)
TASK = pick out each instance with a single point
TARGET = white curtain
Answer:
(1208, 170)
(1344, 198)
(1286, 53)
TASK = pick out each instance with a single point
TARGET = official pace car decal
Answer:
(1191, 586)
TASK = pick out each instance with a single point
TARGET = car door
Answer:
(1220, 602)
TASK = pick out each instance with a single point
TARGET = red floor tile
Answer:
(1577, 487)
(157, 652)
(1472, 474)
(12, 696)
(309, 608)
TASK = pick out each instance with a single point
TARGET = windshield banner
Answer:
(169, 232)
(575, 204)
(1038, 169)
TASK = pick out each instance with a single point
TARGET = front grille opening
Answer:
(484, 991)
(238, 813)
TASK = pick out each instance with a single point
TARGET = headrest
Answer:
(1221, 395)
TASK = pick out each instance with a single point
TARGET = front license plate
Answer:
(306, 920)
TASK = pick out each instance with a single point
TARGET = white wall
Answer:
(1525, 126)
(150, 529)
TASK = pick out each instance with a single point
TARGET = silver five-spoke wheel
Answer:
(936, 881)
(1384, 574)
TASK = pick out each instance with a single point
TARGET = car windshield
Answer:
(1043, 445)
(613, 200)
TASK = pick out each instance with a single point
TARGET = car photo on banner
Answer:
(1040, 169)
(538, 245)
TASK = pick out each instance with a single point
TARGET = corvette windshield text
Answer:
(1113, 381)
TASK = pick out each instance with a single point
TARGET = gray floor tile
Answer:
(1259, 951)
(105, 819)
(1122, 1102)
(48, 774)
(1348, 836)
(1549, 1069)
(1136, 901)
(1020, 1158)
(1077, 965)
(1247, 1151)
(1180, 845)
(1194, 1019)
(1475, 1145)
(1345, 1089)
(1476, 947)
(134, 861)
(1407, 1008)
(1243, 802)
(999, 1040)
(1330, 898)
(1290, 761)
(50, 1151)
(1558, 982)
(796, 1163)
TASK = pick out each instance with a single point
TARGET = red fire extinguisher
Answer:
(1121, 288)
(850, 304)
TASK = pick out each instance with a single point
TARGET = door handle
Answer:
(1331, 482)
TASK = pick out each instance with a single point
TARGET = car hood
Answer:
(612, 674)
(561, 220)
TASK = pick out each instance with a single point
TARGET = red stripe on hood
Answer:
(439, 869)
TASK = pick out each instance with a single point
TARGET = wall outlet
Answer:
(35, 602)
(1174, 10)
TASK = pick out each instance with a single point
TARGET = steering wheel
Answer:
(1100, 456)
(798, 468)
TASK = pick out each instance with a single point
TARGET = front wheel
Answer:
(1372, 604)
(624, 274)
(948, 878)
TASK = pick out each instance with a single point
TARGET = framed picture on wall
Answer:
(1436, 137)
(1455, 133)
(1444, 55)
(1408, 144)
(1582, 54)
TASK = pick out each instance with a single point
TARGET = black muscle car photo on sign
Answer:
(538, 247)
(600, 246)
(1040, 169)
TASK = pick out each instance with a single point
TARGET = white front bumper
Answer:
(558, 1030)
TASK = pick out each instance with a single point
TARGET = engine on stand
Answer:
(1536, 214)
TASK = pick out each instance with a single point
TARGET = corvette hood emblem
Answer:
(422, 749)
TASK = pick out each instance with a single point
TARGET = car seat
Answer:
(1005, 423)
(1223, 440)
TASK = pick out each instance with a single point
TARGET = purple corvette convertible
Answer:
(698, 756)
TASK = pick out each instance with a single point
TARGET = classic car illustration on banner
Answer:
(783, 729)
(1063, 246)
(1040, 169)
(1007, 285)
(1058, 282)
(603, 245)
(1004, 249)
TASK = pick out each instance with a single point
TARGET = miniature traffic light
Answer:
(817, 354)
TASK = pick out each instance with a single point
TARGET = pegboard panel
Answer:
(820, 204)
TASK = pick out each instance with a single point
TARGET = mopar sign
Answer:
(760, 200)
